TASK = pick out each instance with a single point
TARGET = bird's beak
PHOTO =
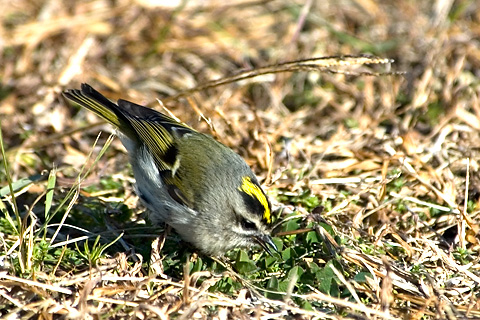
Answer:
(266, 242)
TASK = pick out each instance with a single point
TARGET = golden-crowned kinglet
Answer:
(186, 179)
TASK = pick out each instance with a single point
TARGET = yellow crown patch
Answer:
(254, 191)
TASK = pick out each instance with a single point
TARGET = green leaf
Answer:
(197, 265)
(293, 275)
(278, 243)
(289, 253)
(312, 237)
(273, 285)
(243, 264)
(269, 262)
(20, 184)
(283, 286)
(304, 304)
(325, 278)
(291, 225)
(50, 187)
(361, 277)
(295, 271)
(225, 285)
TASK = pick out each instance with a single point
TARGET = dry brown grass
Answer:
(396, 156)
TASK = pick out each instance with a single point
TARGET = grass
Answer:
(371, 165)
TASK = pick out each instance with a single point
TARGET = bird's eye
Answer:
(248, 225)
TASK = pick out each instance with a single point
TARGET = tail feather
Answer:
(151, 128)
(93, 100)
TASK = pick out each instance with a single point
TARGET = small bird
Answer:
(186, 179)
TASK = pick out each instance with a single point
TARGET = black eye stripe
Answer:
(254, 206)
(247, 224)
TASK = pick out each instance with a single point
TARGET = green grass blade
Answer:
(10, 187)
(73, 194)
